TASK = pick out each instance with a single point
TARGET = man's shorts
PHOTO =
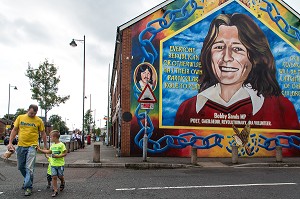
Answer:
(57, 171)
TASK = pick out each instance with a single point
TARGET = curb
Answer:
(270, 165)
(110, 165)
(147, 165)
(9, 161)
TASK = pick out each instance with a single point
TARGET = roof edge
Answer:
(141, 16)
(292, 10)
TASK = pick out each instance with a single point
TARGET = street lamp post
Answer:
(99, 123)
(73, 44)
(94, 116)
(66, 125)
(85, 97)
(90, 102)
(15, 88)
(94, 124)
(108, 106)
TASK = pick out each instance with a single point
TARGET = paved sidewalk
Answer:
(108, 158)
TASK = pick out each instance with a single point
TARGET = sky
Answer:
(35, 30)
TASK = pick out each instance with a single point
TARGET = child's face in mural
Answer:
(230, 61)
(145, 76)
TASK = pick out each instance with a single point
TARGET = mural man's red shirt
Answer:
(276, 113)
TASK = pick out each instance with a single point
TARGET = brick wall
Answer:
(125, 89)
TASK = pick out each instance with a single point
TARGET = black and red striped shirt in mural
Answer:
(275, 113)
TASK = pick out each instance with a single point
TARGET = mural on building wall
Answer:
(217, 67)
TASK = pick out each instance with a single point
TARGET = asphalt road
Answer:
(177, 183)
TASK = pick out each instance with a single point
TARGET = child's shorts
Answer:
(57, 171)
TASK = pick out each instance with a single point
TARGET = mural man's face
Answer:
(230, 61)
(145, 76)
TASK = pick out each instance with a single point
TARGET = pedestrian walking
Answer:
(58, 151)
(78, 138)
(27, 126)
(74, 135)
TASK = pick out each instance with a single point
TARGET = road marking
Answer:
(251, 167)
(206, 186)
(1, 192)
(266, 165)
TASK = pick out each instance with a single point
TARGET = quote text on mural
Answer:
(181, 68)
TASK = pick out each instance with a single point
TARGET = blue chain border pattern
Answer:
(190, 138)
(169, 17)
(289, 30)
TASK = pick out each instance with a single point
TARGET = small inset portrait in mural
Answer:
(238, 83)
(145, 74)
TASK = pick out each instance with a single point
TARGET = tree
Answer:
(98, 132)
(88, 120)
(58, 124)
(13, 117)
(6, 116)
(44, 86)
(20, 111)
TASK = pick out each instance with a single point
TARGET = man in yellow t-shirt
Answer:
(28, 127)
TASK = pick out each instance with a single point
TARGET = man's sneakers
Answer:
(28, 192)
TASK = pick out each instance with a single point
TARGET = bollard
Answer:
(145, 146)
(234, 154)
(68, 147)
(96, 155)
(278, 153)
(72, 146)
(194, 156)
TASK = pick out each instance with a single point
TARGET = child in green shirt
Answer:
(58, 152)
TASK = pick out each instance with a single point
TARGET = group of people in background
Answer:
(77, 135)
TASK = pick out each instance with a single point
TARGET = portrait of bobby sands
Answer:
(239, 79)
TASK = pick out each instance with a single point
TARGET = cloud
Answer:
(34, 30)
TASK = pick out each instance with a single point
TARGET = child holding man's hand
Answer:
(58, 152)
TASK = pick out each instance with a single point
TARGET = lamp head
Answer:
(73, 43)
(16, 88)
